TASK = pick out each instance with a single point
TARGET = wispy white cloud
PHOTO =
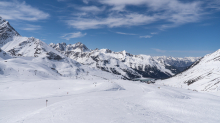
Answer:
(146, 36)
(90, 9)
(159, 50)
(214, 4)
(117, 20)
(125, 33)
(30, 27)
(86, 1)
(172, 12)
(16, 10)
(153, 33)
(68, 36)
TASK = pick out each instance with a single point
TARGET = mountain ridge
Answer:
(203, 75)
(146, 65)
(122, 64)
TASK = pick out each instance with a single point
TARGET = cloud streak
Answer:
(146, 36)
(118, 20)
(172, 13)
(21, 11)
(90, 9)
(153, 33)
(159, 50)
(125, 33)
(30, 27)
(68, 36)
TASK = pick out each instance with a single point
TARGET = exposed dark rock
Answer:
(53, 56)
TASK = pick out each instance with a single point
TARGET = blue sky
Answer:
(178, 28)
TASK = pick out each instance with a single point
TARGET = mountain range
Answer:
(159, 67)
(203, 75)
(122, 64)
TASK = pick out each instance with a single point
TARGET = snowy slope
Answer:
(38, 68)
(103, 101)
(27, 69)
(24, 46)
(4, 55)
(29, 50)
(204, 75)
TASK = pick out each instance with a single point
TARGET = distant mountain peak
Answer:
(7, 32)
(2, 20)
(4, 25)
(62, 47)
(79, 43)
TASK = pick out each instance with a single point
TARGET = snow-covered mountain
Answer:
(96, 59)
(63, 47)
(176, 64)
(33, 56)
(176, 61)
(120, 62)
(69, 60)
(203, 75)
(7, 32)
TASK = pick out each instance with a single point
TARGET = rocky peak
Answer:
(78, 47)
(81, 46)
(2, 20)
(7, 32)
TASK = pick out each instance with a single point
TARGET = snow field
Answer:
(97, 101)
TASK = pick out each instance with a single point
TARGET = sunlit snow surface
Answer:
(95, 100)
(203, 76)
